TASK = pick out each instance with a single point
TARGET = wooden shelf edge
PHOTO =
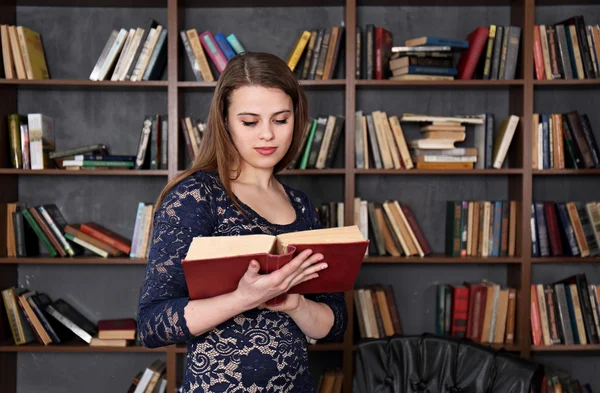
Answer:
(565, 259)
(307, 83)
(566, 82)
(101, 172)
(79, 347)
(438, 171)
(509, 348)
(91, 260)
(82, 83)
(440, 259)
(564, 172)
(566, 348)
(441, 83)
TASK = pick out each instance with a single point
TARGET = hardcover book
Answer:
(214, 265)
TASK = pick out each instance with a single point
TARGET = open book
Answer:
(215, 265)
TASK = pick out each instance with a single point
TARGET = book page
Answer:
(228, 246)
(349, 234)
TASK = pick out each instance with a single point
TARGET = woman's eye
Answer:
(249, 123)
(281, 121)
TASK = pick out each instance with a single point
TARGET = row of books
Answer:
(133, 54)
(331, 381)
(481, 228)
(381, 142)
(483, 312)
(392, 228)
(218, 48)
(152, 379)
(565, 312)
(34, 317)
(22, 54)
(31, 138)
(492, 54)
(316, 54)
(563, 140)
(331, 214)
(192, 129)
(569, 228)
(558, 381)
(376, 311)
(569, 49)
(320, 142)
(27, 227)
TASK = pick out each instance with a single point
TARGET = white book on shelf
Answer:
(103, 55)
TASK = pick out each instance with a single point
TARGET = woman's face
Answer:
(261, 124)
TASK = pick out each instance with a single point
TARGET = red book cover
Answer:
(538, 57)
(213, 275)
(536, 324)
(469, 58)
(107, 236)
(212, 49)
(416, 229)
(460, 311)
(553, 231)
(124, 324)
(383, 51)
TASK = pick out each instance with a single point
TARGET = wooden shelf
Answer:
(312, 172)
(83, 260)
(306, 83)
(567, 82)
(472, 172)
(439, 83)
(565, 259)
(441, 259)
(85, 172)
(76, 346)
(564, 172)
(83, 83)
(509, 348)
(565, 348)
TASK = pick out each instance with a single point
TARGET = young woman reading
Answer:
(235, 342)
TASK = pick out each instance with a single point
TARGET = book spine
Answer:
(224, 45)
(85, 336)
(216, 55)
(119, 245)
(235, 44)
(38, 231)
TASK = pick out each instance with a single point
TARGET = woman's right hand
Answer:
(255, 289)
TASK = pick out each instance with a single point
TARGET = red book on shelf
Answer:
(214, 265)
(111, 329)
(460, 311)
(107, 236)
(212, 49)
(467, 63)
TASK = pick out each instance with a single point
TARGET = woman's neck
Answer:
(258, 177)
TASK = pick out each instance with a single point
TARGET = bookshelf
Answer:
(178, 95)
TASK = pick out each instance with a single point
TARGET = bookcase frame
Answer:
(520, 177)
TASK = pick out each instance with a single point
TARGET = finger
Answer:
(253, 268)
(302, 279)
(312, 268)
(280, 274)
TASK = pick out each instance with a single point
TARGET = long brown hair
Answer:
(217, 151)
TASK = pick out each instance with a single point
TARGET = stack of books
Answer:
(115, 333)
(426, 58)
(436, 149)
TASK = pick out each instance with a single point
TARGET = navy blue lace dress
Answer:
(256, 351)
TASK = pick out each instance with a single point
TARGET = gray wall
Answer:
(114, 117)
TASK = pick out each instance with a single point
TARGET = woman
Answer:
(235, 342)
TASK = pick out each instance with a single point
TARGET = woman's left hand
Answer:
(292, 302)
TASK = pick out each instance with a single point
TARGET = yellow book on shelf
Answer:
(33, 53)
(298, 48)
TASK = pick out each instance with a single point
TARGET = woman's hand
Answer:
(255, 289)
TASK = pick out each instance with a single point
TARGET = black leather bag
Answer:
(432, 364)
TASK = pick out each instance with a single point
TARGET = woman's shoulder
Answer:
(192, 195)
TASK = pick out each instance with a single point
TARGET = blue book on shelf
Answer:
(235, 44)
(224, 45)
(438, 41)
(432, 70)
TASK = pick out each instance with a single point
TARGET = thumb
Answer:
(253, 267)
